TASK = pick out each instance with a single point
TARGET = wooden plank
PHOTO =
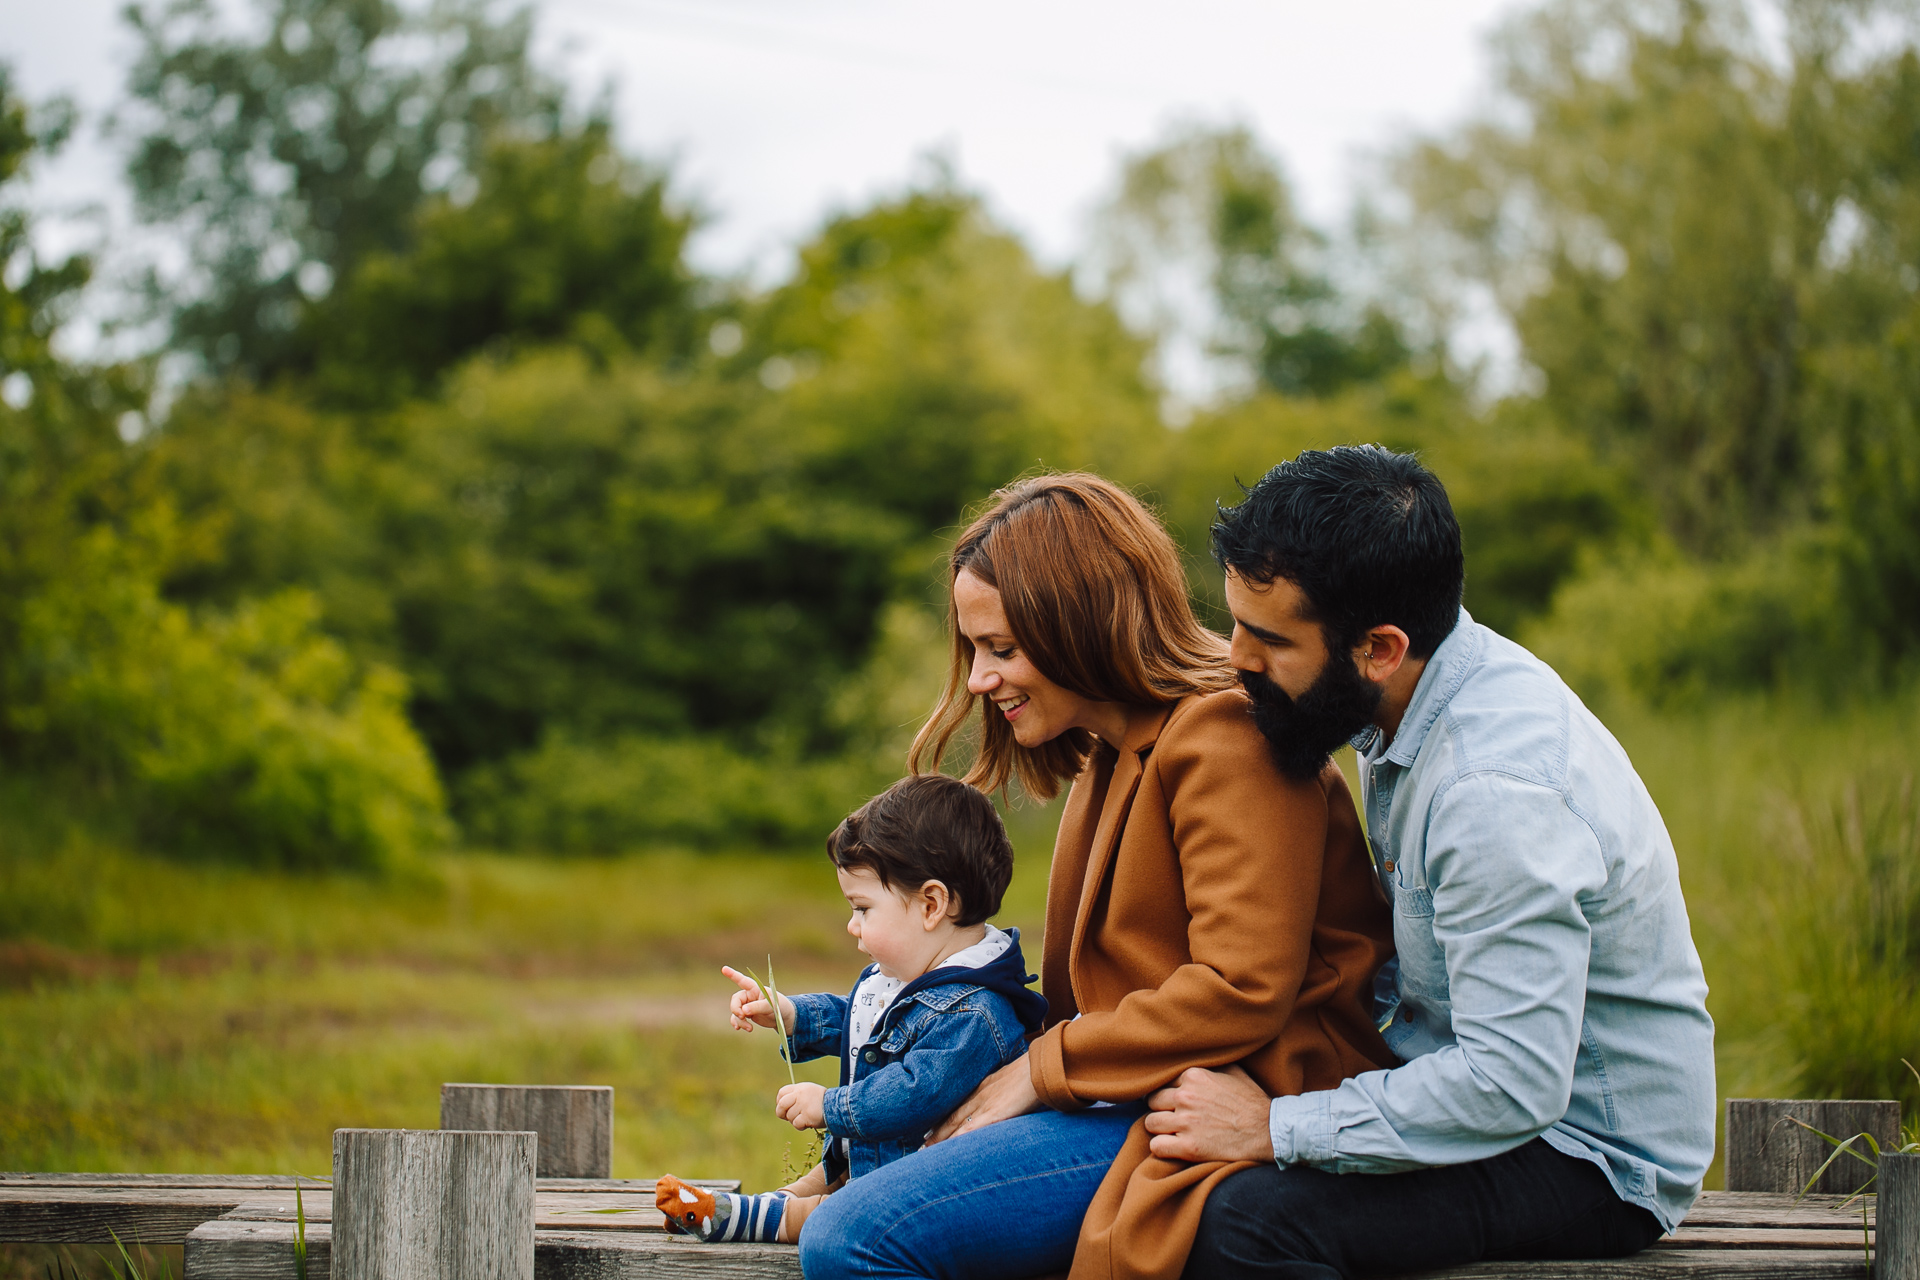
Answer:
(575, 1122)
(1691, 1237)
(1676, 1264)
(413, 1204)
(561, 1210)
(1900, 1198)
(1765, 1209)
(236, 1180)
(94, 1215)
(1768, 1151)
(563, 1256)
(235, 1250)
(270, 1182)
(228, 1249)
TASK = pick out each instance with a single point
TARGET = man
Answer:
(1556, 1097)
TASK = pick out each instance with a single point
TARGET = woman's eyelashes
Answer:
(1003, 654)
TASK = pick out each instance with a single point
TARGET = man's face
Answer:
(1307, 701)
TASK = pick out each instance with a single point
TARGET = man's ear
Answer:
(1381, 652)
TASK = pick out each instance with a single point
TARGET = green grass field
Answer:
(155, 1016)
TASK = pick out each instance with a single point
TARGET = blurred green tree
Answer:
(1670, 219)
(241, 733)
(563, 239)
(1203, 235)
(284, 160)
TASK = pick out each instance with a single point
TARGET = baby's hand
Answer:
(803, 1106)
(749, 1007)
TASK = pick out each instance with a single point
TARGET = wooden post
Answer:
(413, 1204)
(1896, 1249)
(1767, 1151)
(575, 1122)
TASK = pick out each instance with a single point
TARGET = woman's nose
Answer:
(982, 679)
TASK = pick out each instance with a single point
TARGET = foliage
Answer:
(285, 159)
(1205, 221)
(563, 238)
(1530, 500)
(1674, 336)
(241, 732)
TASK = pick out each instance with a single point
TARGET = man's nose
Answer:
(1243, 653)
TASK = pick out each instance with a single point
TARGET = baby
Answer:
(944, 1004)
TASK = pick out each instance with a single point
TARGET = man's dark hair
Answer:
(930, 827)
(1366, 534)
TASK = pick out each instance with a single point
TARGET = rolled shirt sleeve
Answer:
(1507, 864)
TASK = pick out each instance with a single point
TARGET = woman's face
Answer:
(1037, 709)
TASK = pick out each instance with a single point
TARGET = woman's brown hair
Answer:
(1096, 599)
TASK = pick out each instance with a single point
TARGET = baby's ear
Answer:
(939, 904)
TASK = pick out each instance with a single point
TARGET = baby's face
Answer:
(891, 926)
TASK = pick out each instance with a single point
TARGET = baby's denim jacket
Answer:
(945, 1032)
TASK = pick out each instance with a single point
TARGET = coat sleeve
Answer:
(1250, 845)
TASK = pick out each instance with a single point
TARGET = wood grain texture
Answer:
(238, 1180)
(1766, 1209)
(229, 1249)
(1675, 1264)
(39, 1214)
(234, 1250)
(560, 1210)
(1690, 1237)
(1898, 1255)
(1767, 1151)
(432, 1205)
(575, 1122)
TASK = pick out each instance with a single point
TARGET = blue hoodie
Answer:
(945, 1032)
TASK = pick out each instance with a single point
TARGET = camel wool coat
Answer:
(1203, 909)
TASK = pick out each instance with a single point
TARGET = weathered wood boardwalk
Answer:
(605, 1229)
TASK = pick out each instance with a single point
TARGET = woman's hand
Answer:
(750, 1008)
(1210, 1115)
(1003, 1095)
(802, 1105)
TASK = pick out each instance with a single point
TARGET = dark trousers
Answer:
(1531, 1204)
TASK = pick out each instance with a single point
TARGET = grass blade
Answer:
(300, 1232)
(780, 1024)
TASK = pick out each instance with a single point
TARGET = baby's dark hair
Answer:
(930, 827)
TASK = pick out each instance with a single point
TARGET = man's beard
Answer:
(1304, 732)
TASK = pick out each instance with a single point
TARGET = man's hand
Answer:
(1003, 1095)
(1210, 1115)
(802, 1105)
(750, 1007)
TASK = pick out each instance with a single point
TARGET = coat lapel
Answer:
(1143, 730)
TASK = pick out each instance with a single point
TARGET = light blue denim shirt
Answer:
(1545, 982)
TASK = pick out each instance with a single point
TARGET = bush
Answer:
(247, 736)
(1656, 626)
(574, 797)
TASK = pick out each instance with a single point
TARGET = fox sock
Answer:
(718, 1217)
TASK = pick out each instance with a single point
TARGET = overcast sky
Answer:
(777, 111)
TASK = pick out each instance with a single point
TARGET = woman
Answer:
(1203, 909)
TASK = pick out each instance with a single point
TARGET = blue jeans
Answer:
(1003, 1201)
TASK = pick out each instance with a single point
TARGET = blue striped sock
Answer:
(747, 1217)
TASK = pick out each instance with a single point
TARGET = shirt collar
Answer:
(1445, 672)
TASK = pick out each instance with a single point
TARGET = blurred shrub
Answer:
(1659, 626)
(1530, 500)
(248, 736)
(614, 796)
